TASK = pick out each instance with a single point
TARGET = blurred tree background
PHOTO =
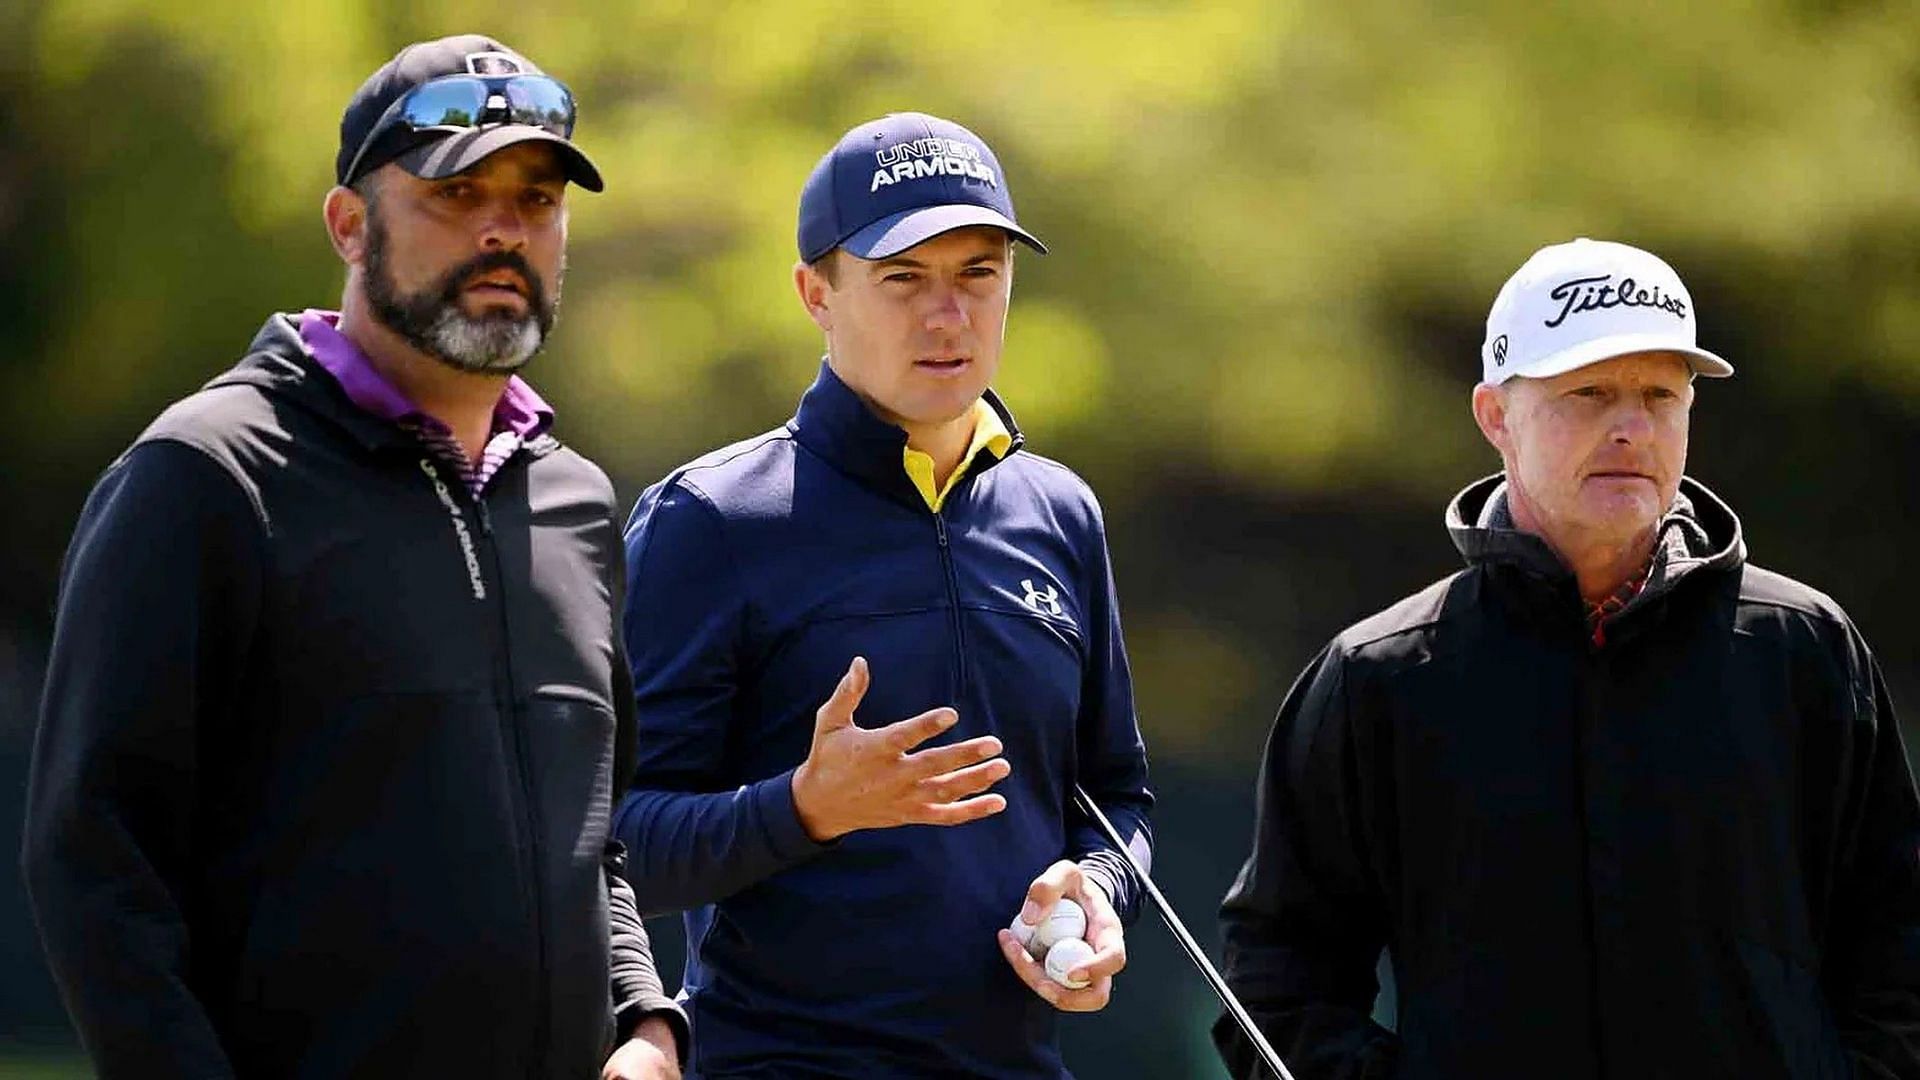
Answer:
(1276, 230)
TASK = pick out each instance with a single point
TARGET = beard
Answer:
(495, 342)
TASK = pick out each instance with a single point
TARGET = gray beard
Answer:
(490, 343)
(432, 321)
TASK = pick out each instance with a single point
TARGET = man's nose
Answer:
(1633, 423)
(944, 310)
(503, 227)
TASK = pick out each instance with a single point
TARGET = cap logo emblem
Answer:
(1598, 293)
(1500, 351)
(492, 63)
(931, 156)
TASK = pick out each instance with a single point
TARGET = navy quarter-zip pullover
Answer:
(756, 574)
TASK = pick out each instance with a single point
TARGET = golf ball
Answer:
(1023, 933)
(1064, 957)
(1067, 920)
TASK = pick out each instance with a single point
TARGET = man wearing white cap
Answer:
(1615, 801)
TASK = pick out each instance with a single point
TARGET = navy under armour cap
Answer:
(897, 181)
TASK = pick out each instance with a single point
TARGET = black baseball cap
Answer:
(435, 155)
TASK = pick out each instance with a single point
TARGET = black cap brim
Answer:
(457, 153)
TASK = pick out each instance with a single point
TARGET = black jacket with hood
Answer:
(321, 787)
(1692, 851)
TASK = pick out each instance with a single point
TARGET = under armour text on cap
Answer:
(371, 136)
(1585, 301)
(894, 182)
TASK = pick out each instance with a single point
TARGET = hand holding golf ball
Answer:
(1067, 922)
(1066, 943)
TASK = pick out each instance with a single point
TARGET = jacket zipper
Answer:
(953, 606)
(510, 714)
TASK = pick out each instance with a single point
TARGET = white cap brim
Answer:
(1606, 348)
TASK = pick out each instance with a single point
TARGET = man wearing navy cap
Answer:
(873, 650)
(335, 706)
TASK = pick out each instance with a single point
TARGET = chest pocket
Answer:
(383, 589)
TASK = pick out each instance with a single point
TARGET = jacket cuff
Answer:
(787, 839)
(1115, 876)
(628, 1017)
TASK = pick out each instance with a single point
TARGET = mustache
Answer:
(455, 279)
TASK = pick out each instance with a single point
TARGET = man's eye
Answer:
(899, 275)
(1587, 391)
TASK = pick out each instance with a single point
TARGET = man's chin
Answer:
(1622, 518)
(486, 346)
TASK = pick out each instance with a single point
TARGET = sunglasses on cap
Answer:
(455, 103)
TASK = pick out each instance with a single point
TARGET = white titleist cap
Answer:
(1585, 301)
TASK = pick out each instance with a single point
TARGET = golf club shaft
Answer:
(1190, 946)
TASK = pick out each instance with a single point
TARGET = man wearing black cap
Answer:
(334, 705)
(890, 549)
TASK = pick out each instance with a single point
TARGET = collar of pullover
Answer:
(834, 423)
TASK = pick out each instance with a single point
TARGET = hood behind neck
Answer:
(279, 362)
(1698, 532)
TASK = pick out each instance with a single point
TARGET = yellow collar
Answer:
(989, 434)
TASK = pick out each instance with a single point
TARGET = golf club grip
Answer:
(1187, 944)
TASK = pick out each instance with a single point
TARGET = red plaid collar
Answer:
(1599, 611)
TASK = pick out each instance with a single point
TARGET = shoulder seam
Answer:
(247, 490)
(779, 434)
(1836, 617)
(1423, 624)
(1045, 460)
(1828, 617)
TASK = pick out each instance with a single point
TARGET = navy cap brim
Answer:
(895, 233)
(457, 153)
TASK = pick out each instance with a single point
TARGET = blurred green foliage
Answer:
(1276, 228)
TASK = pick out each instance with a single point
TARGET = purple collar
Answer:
(519, 410)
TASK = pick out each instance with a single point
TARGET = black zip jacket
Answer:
(1693, 851)
(322, 777)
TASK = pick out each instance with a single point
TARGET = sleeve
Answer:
(1304, 923)
(1113, 757)
(636, 989)
(1873, 973)
(691, 841)
(157, 602)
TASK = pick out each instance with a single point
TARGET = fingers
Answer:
(1090, 998)
(1061, 879)
(962, 811)
(947, 787)
(904, 735)
(1102, 921)
(937, 760)
(1108, 959)
(838, 710)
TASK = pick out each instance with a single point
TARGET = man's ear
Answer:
(345, 212)
(1492, 411)
(814, 290)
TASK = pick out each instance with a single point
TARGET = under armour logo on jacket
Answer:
(1047, 602)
